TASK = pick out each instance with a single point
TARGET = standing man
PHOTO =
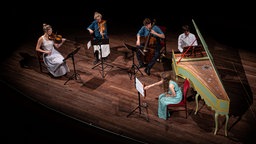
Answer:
(98, 29)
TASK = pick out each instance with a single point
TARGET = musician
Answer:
(186, 38)
(52, 58)
(149, 30)
(98, 29)
(172, 93)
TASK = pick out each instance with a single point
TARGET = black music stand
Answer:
(143, 105)
(100, 42)
(75, 74)
(134, 68)
(192, 50)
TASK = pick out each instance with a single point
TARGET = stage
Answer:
(104, 102)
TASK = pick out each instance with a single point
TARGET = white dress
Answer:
(54, 62)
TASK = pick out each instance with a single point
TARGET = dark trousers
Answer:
(96, 55)
(154, 58)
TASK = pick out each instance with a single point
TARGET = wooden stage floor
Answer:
(105, 102)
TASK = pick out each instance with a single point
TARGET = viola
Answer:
(56, 38)
(102, 27)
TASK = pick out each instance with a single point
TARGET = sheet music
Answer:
(140, 87)
(89, 44)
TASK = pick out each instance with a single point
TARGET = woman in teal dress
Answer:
(172, 94)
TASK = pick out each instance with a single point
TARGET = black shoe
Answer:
(140, 65)
(104, 59)
(147, 71)
(96, 61)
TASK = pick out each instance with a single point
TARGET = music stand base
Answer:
(101, 63)
(102, 67)
(72, 77)
(139, 107)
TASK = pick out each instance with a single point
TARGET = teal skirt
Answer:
(163, 101)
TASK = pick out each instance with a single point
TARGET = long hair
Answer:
(166, 78)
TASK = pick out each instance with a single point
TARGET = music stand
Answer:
(75, 74)
(140, 87)
(134, 67)
(100, 42)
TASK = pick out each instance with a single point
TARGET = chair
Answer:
(183, 103)
(163, 43)
(40, 60)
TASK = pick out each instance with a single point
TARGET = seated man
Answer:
(153, 32)
(186, 39)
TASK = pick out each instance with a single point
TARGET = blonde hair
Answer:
(46, 27)
(97, 14)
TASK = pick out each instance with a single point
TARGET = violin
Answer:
(102, 27)
(56, 38)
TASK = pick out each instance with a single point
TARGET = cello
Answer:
(149, 47)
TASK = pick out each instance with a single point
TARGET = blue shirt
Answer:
(143, 32)
(96, 35)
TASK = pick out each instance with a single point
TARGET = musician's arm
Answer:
(157, 32)
(180, 43)
(140, 33)
(161, 35)
(38, 46)
(173, 93)
(90, 30)
(138, 40)
(57, 45)
(152, 85)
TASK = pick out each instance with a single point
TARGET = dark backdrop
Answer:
(229, 23)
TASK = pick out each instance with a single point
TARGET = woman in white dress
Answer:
(52, 58)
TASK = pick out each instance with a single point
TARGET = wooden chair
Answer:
(182, 105)
(40, 60)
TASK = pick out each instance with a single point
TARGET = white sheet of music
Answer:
(89, 44)
(139, 87)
